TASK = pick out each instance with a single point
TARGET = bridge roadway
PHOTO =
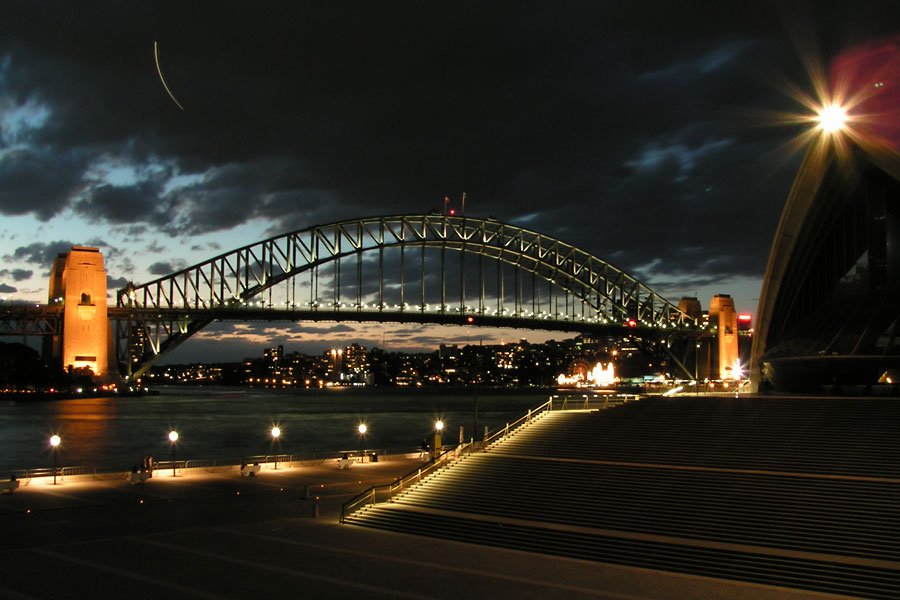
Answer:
(42, 319)
(218, 535)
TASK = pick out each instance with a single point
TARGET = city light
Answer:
(599, 376)
(439, 425)
(737, 372)
(362, 429)
(55, 440)
(832, 118)
(173, 436)
(276, 432)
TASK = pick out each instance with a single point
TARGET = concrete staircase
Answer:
(801, 493)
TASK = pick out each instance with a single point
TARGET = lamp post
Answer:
(362, 429)
(438, 442)
(475, 416)
(696, 364)
(276, 433)
(54, 444)
(173, 439)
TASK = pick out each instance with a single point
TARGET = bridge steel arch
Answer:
(260, 281)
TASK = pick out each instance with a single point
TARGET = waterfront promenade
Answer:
(220, 535)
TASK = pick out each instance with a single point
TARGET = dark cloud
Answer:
(115, 283)
(610, 125)
(39, 181)
(121, 204)
(17, 274)
(161, 268)
(40, 253)
(7, 289)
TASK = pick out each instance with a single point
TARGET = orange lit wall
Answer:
(79, 277)
(721, 309)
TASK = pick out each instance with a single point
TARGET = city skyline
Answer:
(166, 134)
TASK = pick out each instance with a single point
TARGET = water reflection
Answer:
(232, 423)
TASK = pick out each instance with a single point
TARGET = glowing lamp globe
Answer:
(439, 425)
(55, 440)
(173, 436)
(362, 429)
(832, 118)
(276, 432)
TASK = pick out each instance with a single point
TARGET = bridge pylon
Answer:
(78, 283)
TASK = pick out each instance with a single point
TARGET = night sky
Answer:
(646, 133)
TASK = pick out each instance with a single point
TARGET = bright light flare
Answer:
(173, 436)
(55, 440)
(276, 432)
(362, 429)
(832, 118)
(737, 371)
(439, 425)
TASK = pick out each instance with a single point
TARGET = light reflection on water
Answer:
(229, 422)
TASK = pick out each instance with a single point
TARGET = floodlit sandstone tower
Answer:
(721, 310)
(78, 281)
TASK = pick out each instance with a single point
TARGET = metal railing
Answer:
(385, 493)
(210, 464)
(593, 402)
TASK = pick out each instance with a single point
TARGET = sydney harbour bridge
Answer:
(435, 268)
(828, 313)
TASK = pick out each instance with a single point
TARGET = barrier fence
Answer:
(25, 476)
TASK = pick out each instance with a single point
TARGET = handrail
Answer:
(370, 495)
(526, 418)
(443, 460)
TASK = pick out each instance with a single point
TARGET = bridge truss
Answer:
(407, 268)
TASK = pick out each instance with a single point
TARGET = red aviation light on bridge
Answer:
(630, 323)
(452, 211)
(470, 319)
(745, 321)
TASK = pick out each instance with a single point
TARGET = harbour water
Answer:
(216, 422)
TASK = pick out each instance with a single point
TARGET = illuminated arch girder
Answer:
(200, 293)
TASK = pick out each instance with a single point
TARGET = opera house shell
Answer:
(829, 311)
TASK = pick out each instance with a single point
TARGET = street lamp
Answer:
(173, 439)
(276, 433)
(362, 429)
(54, 444)
(438, 442)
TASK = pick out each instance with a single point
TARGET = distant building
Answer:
(356, 365)
(690, 306)
(274, 355)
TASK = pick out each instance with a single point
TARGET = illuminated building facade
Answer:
(78, 281)
(725, 319)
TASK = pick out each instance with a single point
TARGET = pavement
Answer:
(219, 535)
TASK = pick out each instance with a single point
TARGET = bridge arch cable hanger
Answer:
(245, 283)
